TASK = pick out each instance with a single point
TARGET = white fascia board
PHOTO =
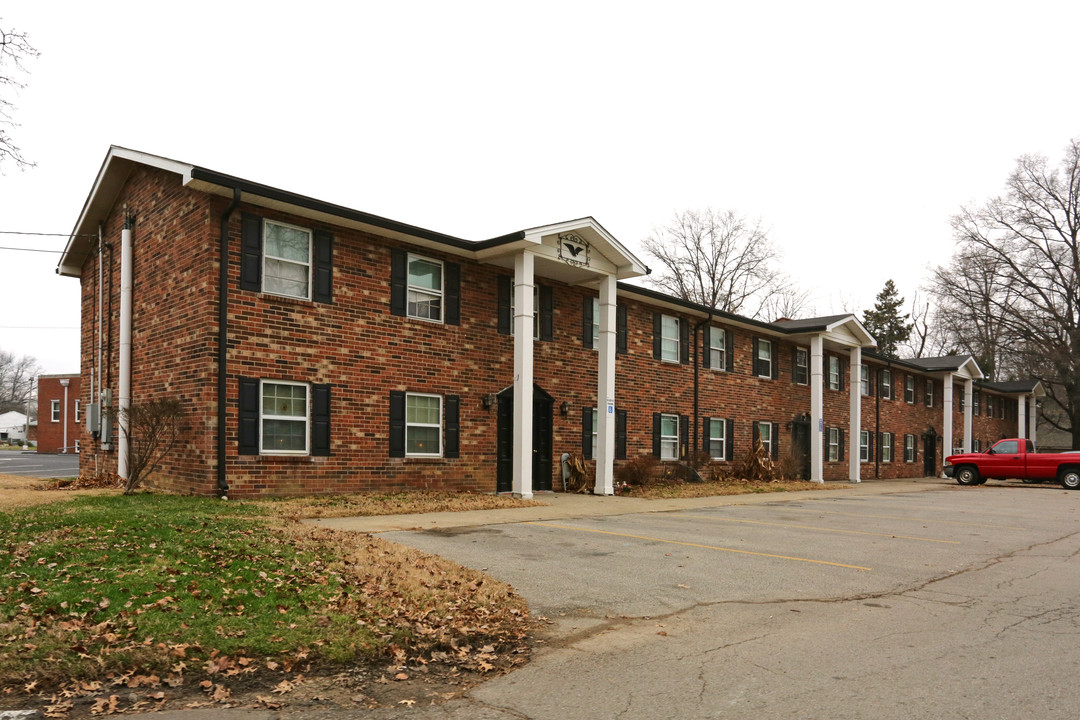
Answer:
(857, 330)
(623, 258)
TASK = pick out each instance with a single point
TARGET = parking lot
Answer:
(949, 602)
(31, 464)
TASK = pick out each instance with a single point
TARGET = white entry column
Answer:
(1021, 409)
(817, 423)
(523, 375)
(969, 398)
(1033, 419)
(946, 423)
(855, 415)
(605, 391)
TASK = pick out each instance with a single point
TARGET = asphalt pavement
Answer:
(42, 465)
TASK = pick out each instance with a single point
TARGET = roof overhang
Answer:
(842, 331)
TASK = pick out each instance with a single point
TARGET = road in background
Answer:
(30, 464)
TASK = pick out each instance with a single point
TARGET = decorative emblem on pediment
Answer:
(573, 249)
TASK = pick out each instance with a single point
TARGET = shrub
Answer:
(639, 471)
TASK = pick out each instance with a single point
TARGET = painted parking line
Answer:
(816, 528)
(933, 507)
(909, 519)
(698, 545)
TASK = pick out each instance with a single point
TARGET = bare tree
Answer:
(17, 378)
(15, 47)
(1013, 286)
(154, 428)
(720, 260)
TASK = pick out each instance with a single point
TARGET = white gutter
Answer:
(125, 349)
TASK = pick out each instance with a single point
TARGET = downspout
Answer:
(697, 369)
(125, 346)
(223, 342)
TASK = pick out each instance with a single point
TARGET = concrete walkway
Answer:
(562, 506)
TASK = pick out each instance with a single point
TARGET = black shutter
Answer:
(397, 423)
(251, 250)
(620, 329)
(774, 362)
(841, 432)
(684, 436)
(729, 349)
(399, 280)
(775, 440)
(754, 434)
(323, 290)
(249, 417)
(656, 434)
(586, 433)
(453, 426)
(684, 341)
(729, 442)
(320, 420)
(754, 362)
(586, 322)
(620, 434)
(870, 382)
(794, 364)
(705, 422)
(706, 336)
(843, 371)
(452, 277)
(879, 444)
(657, 338)
(503, 286)
(547, 313)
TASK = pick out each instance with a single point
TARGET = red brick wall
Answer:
(361, 350)
(50, 435)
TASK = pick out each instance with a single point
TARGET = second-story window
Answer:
(286, 260)
(764, 359)
(802, 369)
(718, 349)
(909, 389)
(834, 372)
(669, 338)
(864, 378)
(425, 289)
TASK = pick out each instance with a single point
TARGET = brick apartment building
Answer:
(60, 405)
(333, 350)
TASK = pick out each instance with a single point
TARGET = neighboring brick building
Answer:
(60, 405)
(363, 353)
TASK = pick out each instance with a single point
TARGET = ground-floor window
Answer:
(284, 417)
(886, 447)
(669, 437)
(909, 448)
(978, 446)
(717, 438)
(765, 436)
(423, 425)
(864, 446)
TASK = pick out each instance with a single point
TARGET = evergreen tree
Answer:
(885, 322)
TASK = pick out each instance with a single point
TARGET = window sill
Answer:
(286, 299)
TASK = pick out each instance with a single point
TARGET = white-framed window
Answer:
(886, 447)
(595, 426)
(669, 437)
(425, 289)
(717, 438)
(284, 418)
(834, 444)
(286, 260)
(909, 448)
(764, 358)
(864, 446)
(78, 448)
(765, 436)
(864, 379)
(423, 425)
(886, 384)
(717, 349)
(834, 372)
(802, 366)
(595, 322)
(957, 451)
(1001, 409)
(54, 406)
(989, 406)
(669, 338)
(909, 389)
(536, 313)
(928, 397)
(976, 402)
(78, 407)
(977, 447)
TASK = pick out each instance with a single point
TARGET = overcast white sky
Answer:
(853, 129)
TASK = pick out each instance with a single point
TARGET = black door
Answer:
(930, 453)
(543, 410)
(800, 446)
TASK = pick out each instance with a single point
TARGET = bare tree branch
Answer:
(15, 47)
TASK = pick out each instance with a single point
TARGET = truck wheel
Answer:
(1070, 479)
(968, 475)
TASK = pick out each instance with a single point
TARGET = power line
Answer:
(58, 252)
(17, 232)
(39, 327)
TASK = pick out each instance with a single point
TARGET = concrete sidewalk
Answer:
(562, 505)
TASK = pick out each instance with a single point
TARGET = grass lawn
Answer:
(148, 599)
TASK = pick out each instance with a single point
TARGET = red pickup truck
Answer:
(1014, 458)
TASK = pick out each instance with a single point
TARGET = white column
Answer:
(605, 391)
(969, 397)
(523, 375)
(124, 381)
(1033, 420)
(1021, 409)
(65, 383)
(817, 422)
(855, 415)
(946, 425)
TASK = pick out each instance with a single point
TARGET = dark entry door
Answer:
(543, 411)
(800, 446)
(930, 454)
